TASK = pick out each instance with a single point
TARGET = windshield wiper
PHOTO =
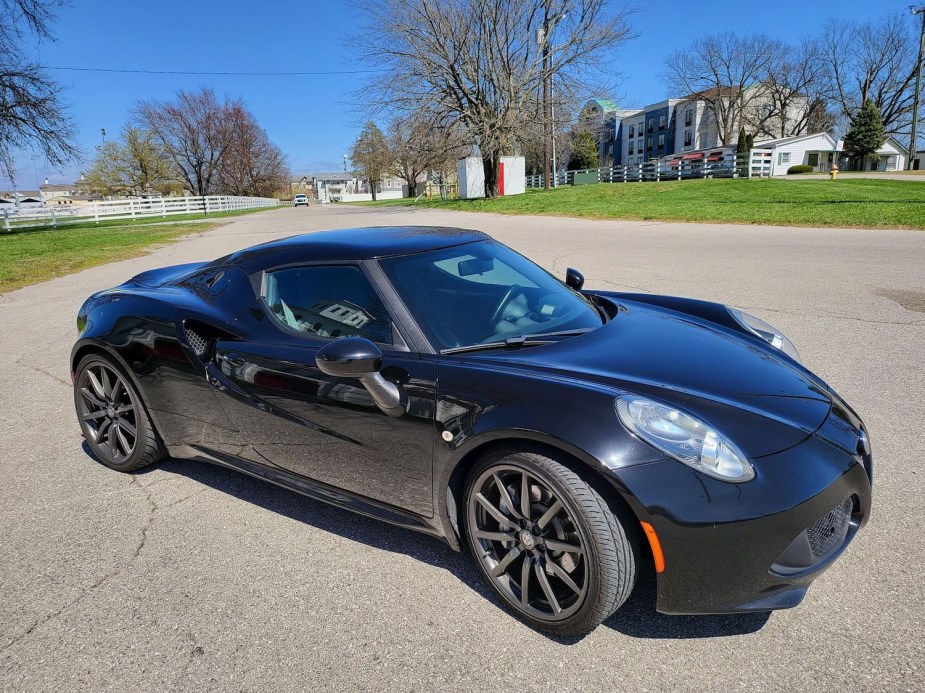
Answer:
(519, 341)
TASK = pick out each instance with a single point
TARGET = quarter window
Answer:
(327, 301)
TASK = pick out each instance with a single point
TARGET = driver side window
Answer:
(327, 301)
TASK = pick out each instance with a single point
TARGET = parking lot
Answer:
(191, 577)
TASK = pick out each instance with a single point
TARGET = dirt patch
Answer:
(910, 300)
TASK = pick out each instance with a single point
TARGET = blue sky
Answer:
(310, 117)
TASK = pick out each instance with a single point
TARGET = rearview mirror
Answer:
(357, 357)
(574, 279)
(477, 265)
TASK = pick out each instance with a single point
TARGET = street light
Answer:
(918, 86)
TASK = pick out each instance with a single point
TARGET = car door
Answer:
(322, 427)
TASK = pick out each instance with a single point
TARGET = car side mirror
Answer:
(357, 357)
(574, 279)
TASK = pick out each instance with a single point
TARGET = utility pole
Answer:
(918, 86)
(547, 120)
(544, 35)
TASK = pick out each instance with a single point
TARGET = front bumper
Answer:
(745, 547)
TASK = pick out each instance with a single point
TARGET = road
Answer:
(188, 577)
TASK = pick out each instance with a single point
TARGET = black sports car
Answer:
(435, 379)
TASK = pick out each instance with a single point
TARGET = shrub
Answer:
(799, 168)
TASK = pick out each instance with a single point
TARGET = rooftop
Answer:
(351, 244)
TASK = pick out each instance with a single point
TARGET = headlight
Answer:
(685, 438)
(768, 333)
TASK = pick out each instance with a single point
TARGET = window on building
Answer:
(689, 117)
(688, 138)
(630, 151)
(632, 131)
(662, 121)
(327, 301)
(661, 141)
(651, 125)
(641, 127)
(649, 142)
(783, 158)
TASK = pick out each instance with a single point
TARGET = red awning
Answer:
(698, 155)
(674, 163)
(714, 158)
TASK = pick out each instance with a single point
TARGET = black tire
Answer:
(578, 562)
(112, 416)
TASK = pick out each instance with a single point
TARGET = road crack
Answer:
(54, 377)
(136, 552)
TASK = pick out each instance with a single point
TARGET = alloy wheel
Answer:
(108, 413)
(528, 542)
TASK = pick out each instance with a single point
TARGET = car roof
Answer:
(350, 244)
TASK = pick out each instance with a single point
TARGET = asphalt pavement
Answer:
(189, 577)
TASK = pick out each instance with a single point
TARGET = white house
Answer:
(818, 150)
(890, 157)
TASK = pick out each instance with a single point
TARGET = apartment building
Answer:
(673, 126)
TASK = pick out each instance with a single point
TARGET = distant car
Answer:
(300, 200)
(436, 379)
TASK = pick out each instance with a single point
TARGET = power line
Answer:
(208, 74)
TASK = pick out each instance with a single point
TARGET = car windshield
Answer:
(481, 293)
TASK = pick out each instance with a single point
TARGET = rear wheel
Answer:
(112, 417)
(548, 543)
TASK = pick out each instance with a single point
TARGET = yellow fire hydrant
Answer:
(833, 172)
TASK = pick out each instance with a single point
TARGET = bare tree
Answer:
(134, 165)
(873, 62)
(370, 155)
(481, 62)
(795, 84)
(32, 110)
(252, 164)
(729, 73)
(418, 144)
(194, 133)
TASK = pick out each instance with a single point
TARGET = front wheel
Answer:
(548, 543)
(112, 417)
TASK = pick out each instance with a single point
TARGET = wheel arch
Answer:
(602, 479)
(89, 346)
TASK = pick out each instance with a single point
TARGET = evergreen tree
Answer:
(866, 133)
(749, 142)
(584, 152)
(742, 145)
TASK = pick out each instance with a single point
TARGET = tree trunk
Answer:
(372, 188)
(490, 168)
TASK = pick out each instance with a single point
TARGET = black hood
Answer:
(763, 401)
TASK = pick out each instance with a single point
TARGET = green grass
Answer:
(32, 256)
(861, 203)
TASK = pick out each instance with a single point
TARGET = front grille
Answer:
(826, 533)
(198, 344)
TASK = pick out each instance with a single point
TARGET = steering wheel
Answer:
(512, 293)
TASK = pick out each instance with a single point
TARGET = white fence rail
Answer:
(60, 215)
(755, 165)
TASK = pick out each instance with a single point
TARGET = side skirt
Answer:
(318, 491)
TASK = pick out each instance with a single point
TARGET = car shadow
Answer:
(637, 618)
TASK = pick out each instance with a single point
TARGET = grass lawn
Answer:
(863, 203)
(29, 256)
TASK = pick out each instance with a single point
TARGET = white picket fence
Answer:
(756, 164)
(131, 208)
